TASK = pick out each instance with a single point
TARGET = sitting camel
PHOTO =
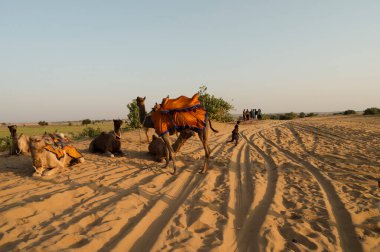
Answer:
(158, 149)
(191, 118)
(48, 159)
(108, 143)
(20, 143)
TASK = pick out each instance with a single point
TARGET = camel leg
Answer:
(108, 154)
(146, 133)
(170, 150)
(203, 136)
(52, 171)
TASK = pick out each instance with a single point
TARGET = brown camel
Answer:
(185, 134)
(158, 149)
(20, 143)
(108, 143)
(145, 119)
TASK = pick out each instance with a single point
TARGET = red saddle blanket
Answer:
(180, 113)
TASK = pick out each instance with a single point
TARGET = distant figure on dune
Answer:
(20, 143)
(259, 116)
(108, 143)
(235, 134)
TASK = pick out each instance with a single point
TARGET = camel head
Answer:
(12, 129)
(36, 146)
(140, 101)
(156, 107)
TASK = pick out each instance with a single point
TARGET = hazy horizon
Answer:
(66, 61)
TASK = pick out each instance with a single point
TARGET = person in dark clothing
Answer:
(259, 117)
(235, 134)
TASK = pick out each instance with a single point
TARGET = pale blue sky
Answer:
(70, 60)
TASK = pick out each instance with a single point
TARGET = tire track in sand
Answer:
(337, 211)
(248, 238)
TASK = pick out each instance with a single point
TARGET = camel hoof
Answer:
(36, 174)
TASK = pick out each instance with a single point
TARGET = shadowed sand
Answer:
(301, 185)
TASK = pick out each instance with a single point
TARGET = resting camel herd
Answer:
(50, 155)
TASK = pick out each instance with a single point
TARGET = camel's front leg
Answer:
(204, 141)
(170, 150)
(146, 133)
(53, 171)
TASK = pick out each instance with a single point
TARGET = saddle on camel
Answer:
(183, 115)
(51, 153)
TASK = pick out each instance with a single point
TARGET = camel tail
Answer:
(212, 127)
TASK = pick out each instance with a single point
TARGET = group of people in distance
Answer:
(253, 114)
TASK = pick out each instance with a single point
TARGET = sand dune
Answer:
(308, 184)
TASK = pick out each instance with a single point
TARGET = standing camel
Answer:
(192, 118)
(145, 119)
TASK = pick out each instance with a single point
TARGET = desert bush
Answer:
(311, 114)
(288, 116)
(349, 112)
(371, 111)
(217, 108)
(43, 123)
(3, 124)
(89, 132)
(70, 124)
(133, 120)
(302, 115)
(5, 143)
(86, 121)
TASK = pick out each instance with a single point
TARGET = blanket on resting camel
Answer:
(60, 152)
(180, 113)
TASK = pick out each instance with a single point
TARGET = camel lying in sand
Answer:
(20, 143)
(158, 147)
(46, 162)
(108, 143)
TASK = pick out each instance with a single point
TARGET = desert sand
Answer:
(301, 185)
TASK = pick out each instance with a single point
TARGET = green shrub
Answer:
(217, 108)
(5, 143)
(349, 112)
(288, 116)
(302, 115)
(43, 123)
(371, 111)
(133, 120)
(86, 121)
(89, 132)
(311, 114)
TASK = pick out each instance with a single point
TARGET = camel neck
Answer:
(142, 113)
(117, 132)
